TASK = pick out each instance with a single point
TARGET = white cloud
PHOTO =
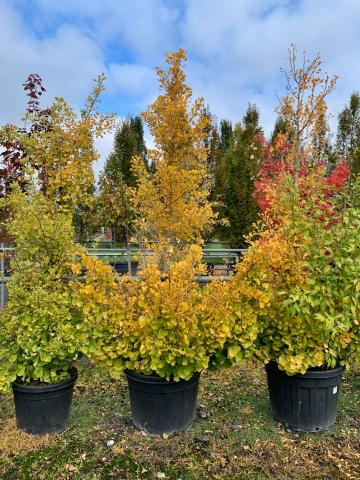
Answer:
(67, 62)
(68, 53)
(237, 46)
(144, 26)
(132, 79)
(104, 146)
(235, 49)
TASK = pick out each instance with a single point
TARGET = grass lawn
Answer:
(237, 439)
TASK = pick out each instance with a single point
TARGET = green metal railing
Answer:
(217, 259)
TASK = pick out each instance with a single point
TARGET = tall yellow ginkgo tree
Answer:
(172, 199)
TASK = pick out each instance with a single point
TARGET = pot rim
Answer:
(326, 373)
(143, 378)
(46, 387)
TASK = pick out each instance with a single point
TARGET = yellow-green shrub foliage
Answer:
(40, 327)
(163, 323)
(306, 269)
(244, 303)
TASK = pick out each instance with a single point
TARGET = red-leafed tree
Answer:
(13, 152)
(294, 153)
(277, 165)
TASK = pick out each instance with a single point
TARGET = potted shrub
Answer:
(304, 258)
(40, 332)
(305, 263)
(162, 330)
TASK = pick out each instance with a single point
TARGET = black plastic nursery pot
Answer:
(43, 408)
(160, 406)
(306, 403)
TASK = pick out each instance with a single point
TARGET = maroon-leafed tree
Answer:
(12, 152)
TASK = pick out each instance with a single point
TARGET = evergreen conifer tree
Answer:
(239, 165)
(128, 142)
(348, 135)
(113, 205)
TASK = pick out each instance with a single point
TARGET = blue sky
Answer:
(235, 50)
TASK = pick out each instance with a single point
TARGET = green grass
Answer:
(237, 440)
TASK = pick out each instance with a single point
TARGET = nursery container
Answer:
(43, 408)
(160, 406)
(306, 403)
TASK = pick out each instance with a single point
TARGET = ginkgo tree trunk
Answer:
(172, 199)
